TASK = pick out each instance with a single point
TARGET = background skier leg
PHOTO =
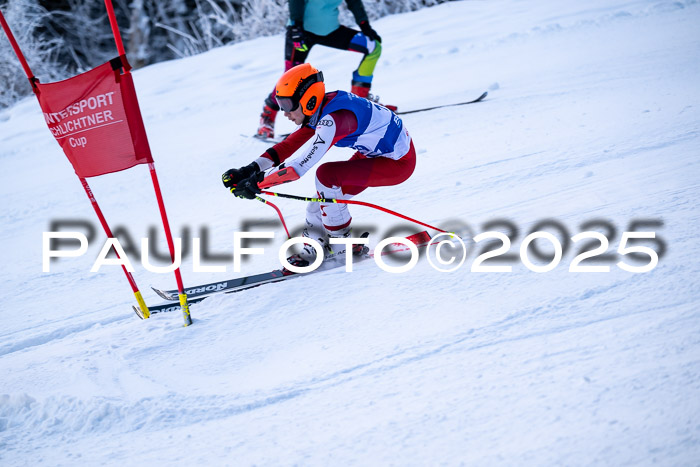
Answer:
(362, 76)
(292, 57)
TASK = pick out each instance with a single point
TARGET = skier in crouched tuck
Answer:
(384, 153)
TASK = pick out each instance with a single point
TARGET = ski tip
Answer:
(162, 294)
(137, 311)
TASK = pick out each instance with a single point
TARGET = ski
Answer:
(393, 108)
(198, 293)
(221, 286)
(237, 285)
(170, 306)
(244, 283)
(478, 99)
(265, 139)
(420, 239)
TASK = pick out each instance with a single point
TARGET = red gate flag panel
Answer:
(95, 118)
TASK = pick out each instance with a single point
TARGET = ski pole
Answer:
(279, 213)
(349, 201)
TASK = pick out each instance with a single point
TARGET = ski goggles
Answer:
(287, 104)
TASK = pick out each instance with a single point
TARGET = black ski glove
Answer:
(233, 176)
(369, 32)
(295, 33)
(249, 188)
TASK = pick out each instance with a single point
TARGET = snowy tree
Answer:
(41, 50)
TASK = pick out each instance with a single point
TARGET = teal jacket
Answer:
(321, 16)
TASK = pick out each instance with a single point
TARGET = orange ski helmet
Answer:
(300, 85)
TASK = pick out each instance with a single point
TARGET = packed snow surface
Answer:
(591, 122)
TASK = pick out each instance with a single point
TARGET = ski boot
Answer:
(363, 91)
(361, 250)
(303, 259)
(360, 89)
(266, 128)
(357, 250)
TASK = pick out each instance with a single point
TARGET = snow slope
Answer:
(592, 115)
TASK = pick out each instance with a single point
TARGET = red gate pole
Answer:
(115, 27)
(169, 236)
(184, 305)
(137, 293)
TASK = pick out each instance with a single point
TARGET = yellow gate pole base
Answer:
(144, 312)
(185, 309)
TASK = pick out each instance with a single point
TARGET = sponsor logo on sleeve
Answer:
(311, 153)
